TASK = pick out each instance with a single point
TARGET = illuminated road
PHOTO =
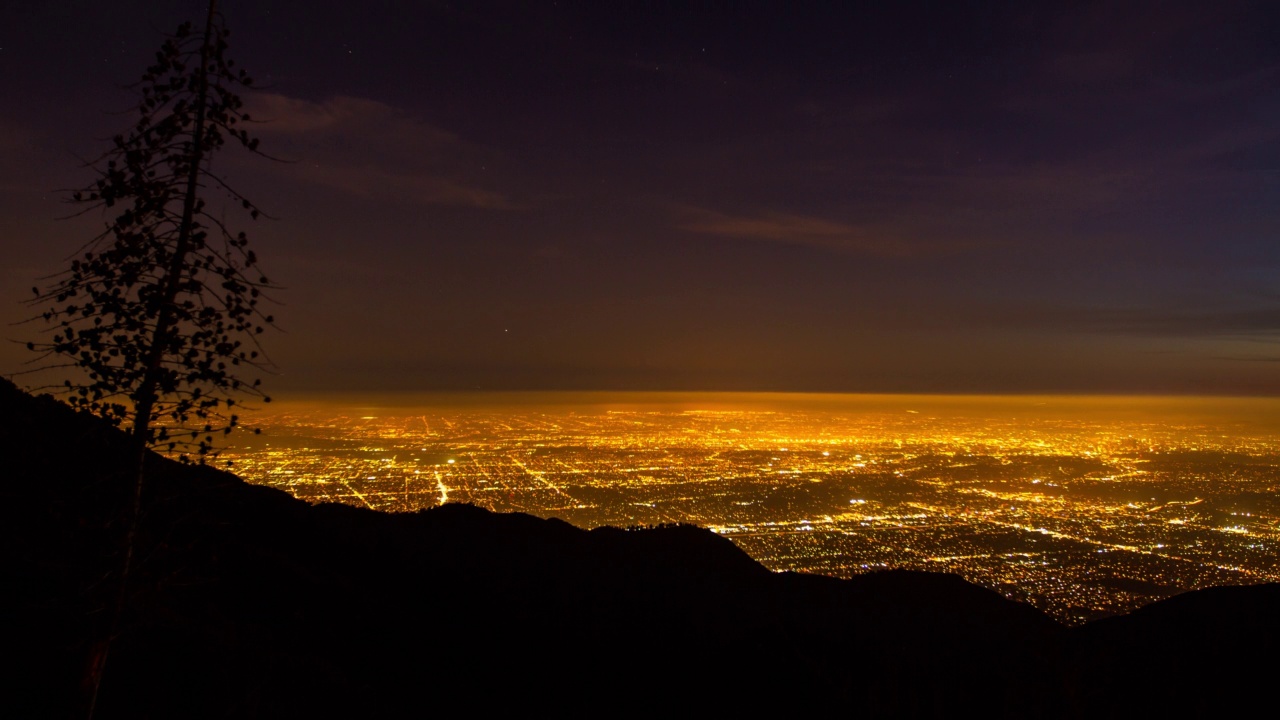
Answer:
(1080, 512)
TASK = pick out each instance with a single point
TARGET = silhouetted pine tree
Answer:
(159, 314)
(161, 310)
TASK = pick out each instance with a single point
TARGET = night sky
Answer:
(892, 196)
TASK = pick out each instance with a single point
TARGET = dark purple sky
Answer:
(588, 195)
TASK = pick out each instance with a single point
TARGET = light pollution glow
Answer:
(1084, 506)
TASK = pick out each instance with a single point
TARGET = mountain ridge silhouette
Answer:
(250, 602)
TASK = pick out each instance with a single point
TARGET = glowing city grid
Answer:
(1084, 507)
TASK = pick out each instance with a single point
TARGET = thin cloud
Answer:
(1243, 322)
(373, 150)
(801, 230)
(284, 115)
(374, 182)
(1248, 359)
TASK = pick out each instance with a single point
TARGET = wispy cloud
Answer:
(1243, 323)
(371, 181)
(374, 150)
(806, 231)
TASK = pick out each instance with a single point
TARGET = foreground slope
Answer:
(252, 603)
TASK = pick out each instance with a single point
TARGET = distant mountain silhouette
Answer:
(252, 603)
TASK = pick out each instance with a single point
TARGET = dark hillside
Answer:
(252, 603)
(1201, 654)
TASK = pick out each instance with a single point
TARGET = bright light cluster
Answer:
(1082, 515)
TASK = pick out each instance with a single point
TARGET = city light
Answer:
(1078, 508)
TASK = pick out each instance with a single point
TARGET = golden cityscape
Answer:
(1082, 506)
